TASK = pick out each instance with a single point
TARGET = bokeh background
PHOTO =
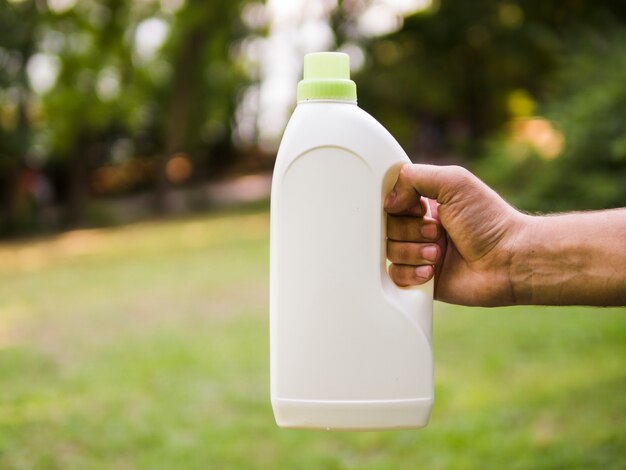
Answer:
(137, 139)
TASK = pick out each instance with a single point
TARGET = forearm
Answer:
(572, 259)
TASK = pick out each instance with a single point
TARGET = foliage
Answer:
(447, 83)
(586, 104)
(529, 95)
(109, 102)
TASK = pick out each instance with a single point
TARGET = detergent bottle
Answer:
(349, 350)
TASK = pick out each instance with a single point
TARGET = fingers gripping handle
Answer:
(416, 300)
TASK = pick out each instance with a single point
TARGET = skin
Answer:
(444, 221)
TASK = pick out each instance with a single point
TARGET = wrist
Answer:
(525, 254)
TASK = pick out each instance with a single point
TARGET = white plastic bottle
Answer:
(349, 349)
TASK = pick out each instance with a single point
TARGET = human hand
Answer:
(468, 243)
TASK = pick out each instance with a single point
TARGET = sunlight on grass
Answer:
(146, 346)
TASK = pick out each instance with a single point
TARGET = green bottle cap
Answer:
(327, 77)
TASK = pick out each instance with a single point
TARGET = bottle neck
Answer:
(351, 102)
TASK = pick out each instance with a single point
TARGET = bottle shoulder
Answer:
(341, 125)
(318, 117)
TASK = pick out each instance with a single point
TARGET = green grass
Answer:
(146, 346)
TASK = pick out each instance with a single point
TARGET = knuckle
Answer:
(392, 223)
(397, 228)
(414, 232)
(405, 172)
(461, 175)
(404, 230)
(405, 251)
(458, 181)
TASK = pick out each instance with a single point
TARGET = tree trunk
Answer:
(10, 201)
(85, 151)
(184, 86)
(22, 141)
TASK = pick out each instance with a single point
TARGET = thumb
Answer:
(414, 181)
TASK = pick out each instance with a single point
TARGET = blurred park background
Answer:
(137, 139)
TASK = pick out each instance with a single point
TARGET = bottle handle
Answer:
(417, 300)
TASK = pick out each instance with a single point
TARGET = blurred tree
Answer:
(153, 87)
(200, 97)
(120, 79)
(457, 71)
(81, 110)
(17, 44)
(579, 161)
